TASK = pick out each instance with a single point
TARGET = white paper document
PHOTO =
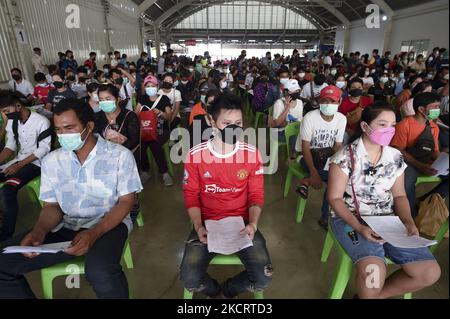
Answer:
(393, 231)
(224, 236)
(441, 164)
(43, 249)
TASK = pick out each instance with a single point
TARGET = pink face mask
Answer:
(382, 136)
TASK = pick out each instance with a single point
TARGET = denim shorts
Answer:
(358, 248)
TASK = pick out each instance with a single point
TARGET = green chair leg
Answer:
(327, 246)
(258, 295)
(440, 235)
(288, 183)
(301, 205)
(127, 256)
(188, 295)
(257, 119)
(341, 277)
(140, 220)
(168, 160)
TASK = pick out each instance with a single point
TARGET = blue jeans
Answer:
(8, 197)
(102, 265)
(411, 175)
(359, 248)
(325, 206)
(256, 277)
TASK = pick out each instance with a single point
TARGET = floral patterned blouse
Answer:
(372, 184)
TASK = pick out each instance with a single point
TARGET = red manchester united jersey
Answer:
(223, 185)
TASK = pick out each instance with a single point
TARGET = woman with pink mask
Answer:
(366, 178)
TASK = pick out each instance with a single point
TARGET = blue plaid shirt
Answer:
(86, 193)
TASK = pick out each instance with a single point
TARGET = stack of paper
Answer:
(441, 164)
(224, 236)
(43, 249)
(393, 231)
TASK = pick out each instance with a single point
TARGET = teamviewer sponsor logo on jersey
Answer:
(214, 189)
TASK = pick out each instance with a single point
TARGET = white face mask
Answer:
(341, 84)
(329, 109)
(223, 85)
(384, 79)
(284, 81)
(302, 75)
(367, 73)
(333, 72)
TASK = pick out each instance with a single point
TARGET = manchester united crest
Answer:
(242, 174)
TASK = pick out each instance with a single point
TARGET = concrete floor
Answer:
(295, 248)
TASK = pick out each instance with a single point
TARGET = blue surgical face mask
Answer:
(97, 109)
(176, 84)
(151, 91)
(72, 142)
(108, 106)
(329, 109)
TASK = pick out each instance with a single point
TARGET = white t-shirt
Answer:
(28, 134)
(174, 96)
(123, 95)
(368, 80)
(306, 93)
(24, 87)
(295, 114)
(320, 133)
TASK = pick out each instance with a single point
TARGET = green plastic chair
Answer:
(440, 235)
(427, 179)
(32, 189)
(292, 129)
(224, 260)
(344, 268)
(63, 269)
(295, 169)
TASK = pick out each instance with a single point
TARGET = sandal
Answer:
(303, 191)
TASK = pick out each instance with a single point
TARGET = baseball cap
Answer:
(292, 85)
(331, 92)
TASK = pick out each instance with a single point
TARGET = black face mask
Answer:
(16, 77)
(294, 96)
(231, 134)
(13, 116)
(82, 79)
(319, 83)
(356, 92)
(58, 84)
(167, 85)
(71, 78)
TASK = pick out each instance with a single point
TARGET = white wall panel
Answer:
(8, 49)
(45, 24)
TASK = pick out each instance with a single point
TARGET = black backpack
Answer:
(48, 132)
(423, 149)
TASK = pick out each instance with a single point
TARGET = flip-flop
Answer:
(303, 191)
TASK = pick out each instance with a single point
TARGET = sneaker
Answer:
(167, 180)
(145, 177)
